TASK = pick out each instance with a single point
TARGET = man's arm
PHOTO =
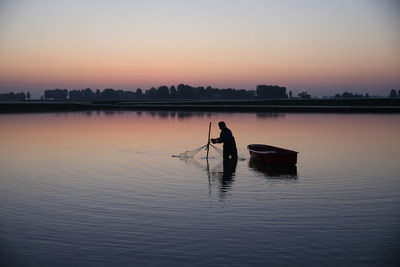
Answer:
(216, 140)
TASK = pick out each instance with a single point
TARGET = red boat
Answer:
(272, 155)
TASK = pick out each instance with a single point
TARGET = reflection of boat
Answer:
(274, 171)
(272, 155)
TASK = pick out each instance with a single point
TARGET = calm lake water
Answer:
(102, 189)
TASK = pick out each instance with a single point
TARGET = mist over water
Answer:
(101, 188)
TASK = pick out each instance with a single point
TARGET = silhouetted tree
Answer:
(185, 91)
(97, 95)
(56, 94)
(12, 96)
(109, 94)
(304, 95)
(139, 93)
(352, 95)
(228, 93)
(151, 93)
(75, 95)
(348, 95)
(129, 95)
(243, 94)
(20, 96)
(28, 95)
(199, 92)
(162, 92)
(88, 94)
(393, 93)
(173, 92)
(271, 92)
(121, 95)
(209, 92)
(82, 95)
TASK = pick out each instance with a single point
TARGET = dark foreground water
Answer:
(102, 189)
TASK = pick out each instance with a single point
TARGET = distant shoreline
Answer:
(378, 105)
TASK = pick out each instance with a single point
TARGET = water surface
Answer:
(99, 188)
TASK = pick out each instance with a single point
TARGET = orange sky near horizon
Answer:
(130, 45)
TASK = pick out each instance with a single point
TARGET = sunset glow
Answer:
(323, 47)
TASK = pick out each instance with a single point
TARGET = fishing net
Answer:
(192, 153)
(220, 151)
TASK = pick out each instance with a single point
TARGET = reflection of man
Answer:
(227, 176)
(229, 169)
(227, 138)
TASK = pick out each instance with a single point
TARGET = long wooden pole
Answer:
(208, 143)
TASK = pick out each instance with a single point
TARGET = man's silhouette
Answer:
(228, 140)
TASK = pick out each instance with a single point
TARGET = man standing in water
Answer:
(227, 138)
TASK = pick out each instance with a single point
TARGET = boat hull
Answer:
(272, 155)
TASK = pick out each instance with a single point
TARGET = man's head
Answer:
(222, 125)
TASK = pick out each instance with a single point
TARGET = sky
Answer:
(323, 47)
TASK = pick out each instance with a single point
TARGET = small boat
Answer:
(272, 155)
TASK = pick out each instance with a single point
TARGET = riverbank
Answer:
(379, 105)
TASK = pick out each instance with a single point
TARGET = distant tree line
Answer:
(15, 96)
(107, 94)
(351, 95)
(182, 91)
